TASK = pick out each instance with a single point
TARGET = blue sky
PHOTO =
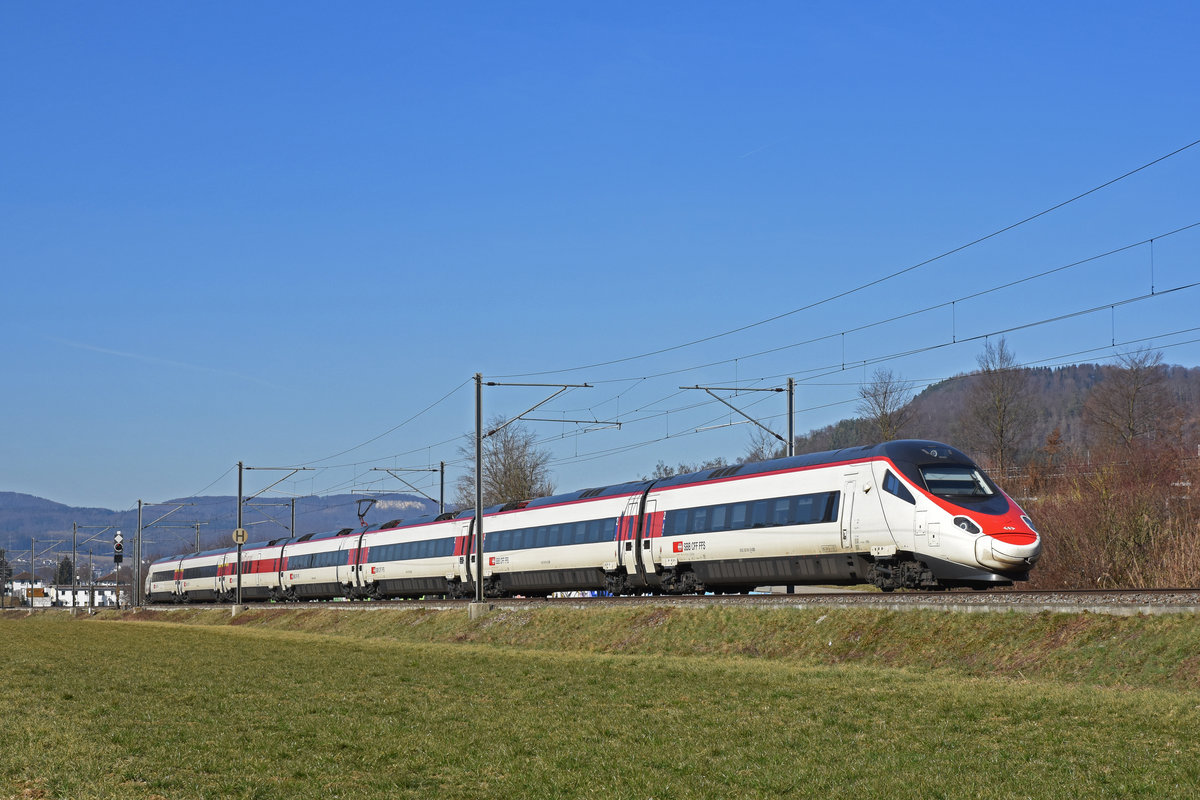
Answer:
(272, 232)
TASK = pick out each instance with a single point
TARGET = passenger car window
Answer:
(892, 485)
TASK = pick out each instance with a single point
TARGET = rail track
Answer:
(1118, 602)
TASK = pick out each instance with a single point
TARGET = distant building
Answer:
(19, 591)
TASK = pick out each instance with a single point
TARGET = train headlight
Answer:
(966, 524)
(1029, 522)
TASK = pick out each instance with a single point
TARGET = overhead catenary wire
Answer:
(635, 381)
(864, 286)
(645, 411)
(908, 314)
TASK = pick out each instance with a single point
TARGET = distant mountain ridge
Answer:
(23, 516)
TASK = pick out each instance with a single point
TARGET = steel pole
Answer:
(138, 539)
(791, 442)
(478, 487)
(442, 494)
(239, 524)
(74, 562)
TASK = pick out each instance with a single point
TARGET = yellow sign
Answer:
(239, 536)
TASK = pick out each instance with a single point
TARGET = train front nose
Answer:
(1008, 551)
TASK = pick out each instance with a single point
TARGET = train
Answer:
(906, 514)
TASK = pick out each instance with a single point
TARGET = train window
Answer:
(782, 514)
(803, 512)
(700, 521)
(892, 485)
(831, 506)
(955, 480)
(719, 515)
(737, 516)
(761, 510)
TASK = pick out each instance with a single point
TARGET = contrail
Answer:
(763, 147)
(165, 362)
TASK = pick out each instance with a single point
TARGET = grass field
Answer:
(621, 704)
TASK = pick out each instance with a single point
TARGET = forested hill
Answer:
(23, 516)
(1056, 398)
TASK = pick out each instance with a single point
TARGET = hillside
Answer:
(1056, 396)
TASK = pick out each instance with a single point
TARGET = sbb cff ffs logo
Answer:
(118, 548)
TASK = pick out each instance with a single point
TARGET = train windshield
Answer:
(955, 480)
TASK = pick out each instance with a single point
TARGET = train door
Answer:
(462, 532)
(920, 529)
(647, 547)
(627, 554)
(349, 571)
(849, 490)
(280, 561)
(472, 567)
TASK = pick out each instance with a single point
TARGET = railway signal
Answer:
(118, 547)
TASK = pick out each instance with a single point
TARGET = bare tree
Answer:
(763, 446)
(664, 470)
(998, 409)
(514, 467)
(1131, 401)
(885, 404)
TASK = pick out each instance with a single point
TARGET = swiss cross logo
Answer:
(677, 547)
(492, 561)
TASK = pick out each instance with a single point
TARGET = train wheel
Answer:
(615, 584)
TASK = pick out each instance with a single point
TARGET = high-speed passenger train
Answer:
(903, 514)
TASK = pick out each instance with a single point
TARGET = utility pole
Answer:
(480, 436)
(240, 533)
(136, 567)
(478, 488)
(790, 443)
(137, 546)
(75, 527)
(441, 468)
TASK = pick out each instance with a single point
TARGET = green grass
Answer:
(628, 704)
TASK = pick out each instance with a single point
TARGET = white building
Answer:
(100, 596)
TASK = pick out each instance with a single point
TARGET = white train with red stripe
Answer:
(904, 514)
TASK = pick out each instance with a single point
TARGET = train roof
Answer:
(908, 450)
